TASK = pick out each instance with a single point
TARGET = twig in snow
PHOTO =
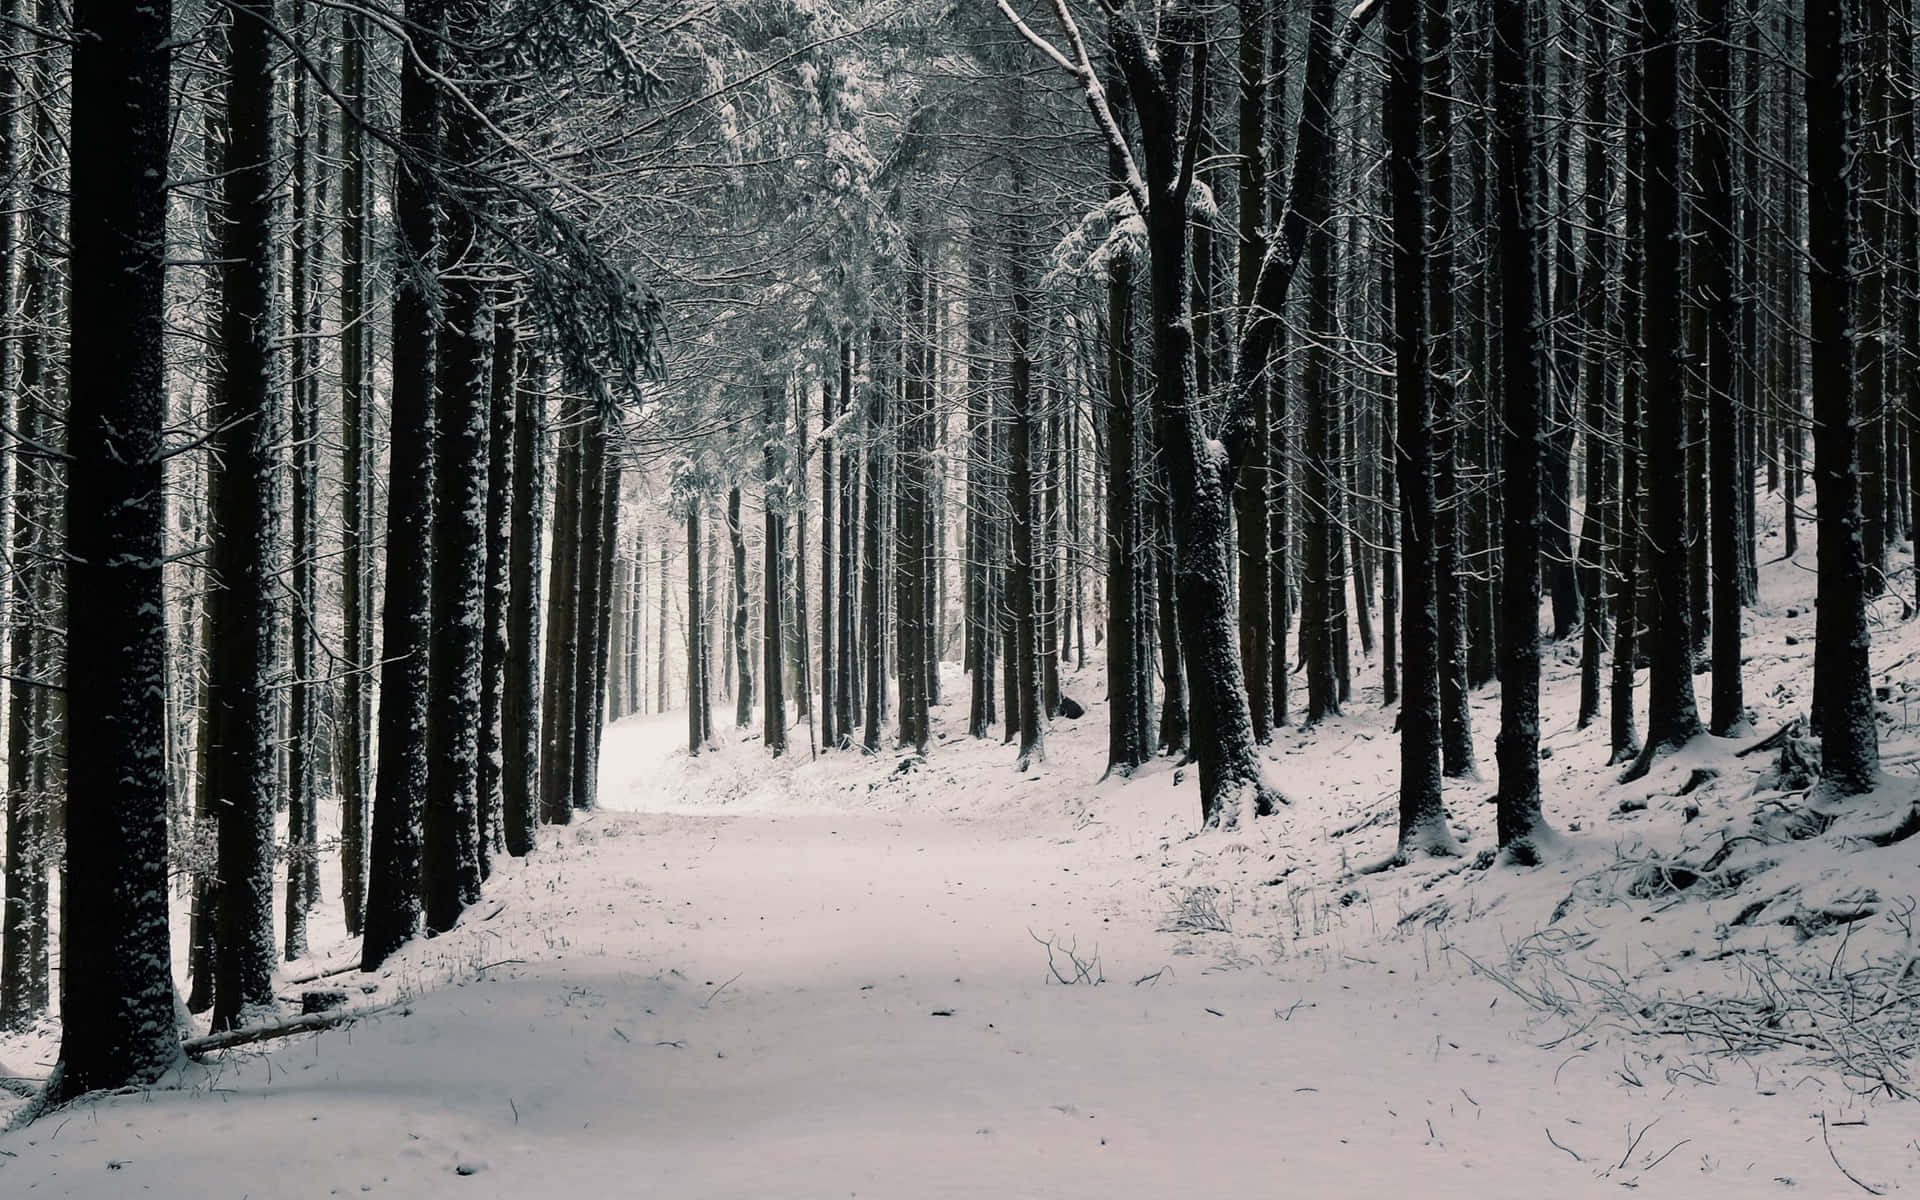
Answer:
(721, 988)
(1865, 1187)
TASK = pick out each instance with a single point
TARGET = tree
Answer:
(1842, 702)
(116, 978)
(1672, 716)
(743, 670)
(1423, 817)
(1524, 835)
(400, 783)
(1713, 166)
(520, 774)
(356, 387)
(241, 767)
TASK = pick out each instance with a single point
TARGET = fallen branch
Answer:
(311, 1023)
(329, 973)
(1558, 1146)
(1868, 1189)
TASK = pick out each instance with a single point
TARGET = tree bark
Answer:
(246, 521)
(116, 978)
(1524, 835)
(1842, 700)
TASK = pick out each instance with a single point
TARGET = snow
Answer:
(813, 978)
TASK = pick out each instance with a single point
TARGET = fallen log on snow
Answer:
(311, 1023)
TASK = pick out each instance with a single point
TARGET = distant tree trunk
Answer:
(982, 490)
(521, 714)
(1713, 166)
(829, 715)
(1523, 831)
(116, 978)
(1598, 518)
(1129, 678)
(1450, 575)
(1324, 577)
(563, 607)
(1871, 68)
(1423, 814)
(1629, 545)
(598, 487)
(696, 638)
(872, 516)
(497, 648)
(246, 521)
(743, 673)
(1842, 699)
(303, 726)
(772, 621)
(660, 642)
(1021, 565)
(1672, 716)
(911, 637)
(1251, 486)
(356, 564)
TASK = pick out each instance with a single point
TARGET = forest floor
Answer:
(879, 977)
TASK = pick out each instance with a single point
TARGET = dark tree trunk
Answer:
(497, 646)
(1323, 576)
(562, 636)
(1871, 69)
(356, 564)
(599, 486)
(1423, 814)
(450, 866)
(1672, 717)
(1450, 576)
(1598, 519)
(1523, 831)
(1629, 547)
(982, 490)
(1713, 168)
(1251, 484)
(520, 784)
(696, 636)
(743, 672)
(1842, 699)
(400, 787)
(773, 723)
(1024, 662)
(246, 520)
(116, 978)
(304, 477)
(829, 714)
(872, 516)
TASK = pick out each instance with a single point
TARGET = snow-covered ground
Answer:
(863, 977)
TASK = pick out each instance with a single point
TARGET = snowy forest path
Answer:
(800, 988)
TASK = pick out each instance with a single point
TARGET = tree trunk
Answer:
(520, 715)
(1842, 702)
(1524, 835)
(1450, 576)
(1423, 814)
(356, 569)
(497, 588)
(772, 623)
(1672, 717)
(116, 978)
(246, 521)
